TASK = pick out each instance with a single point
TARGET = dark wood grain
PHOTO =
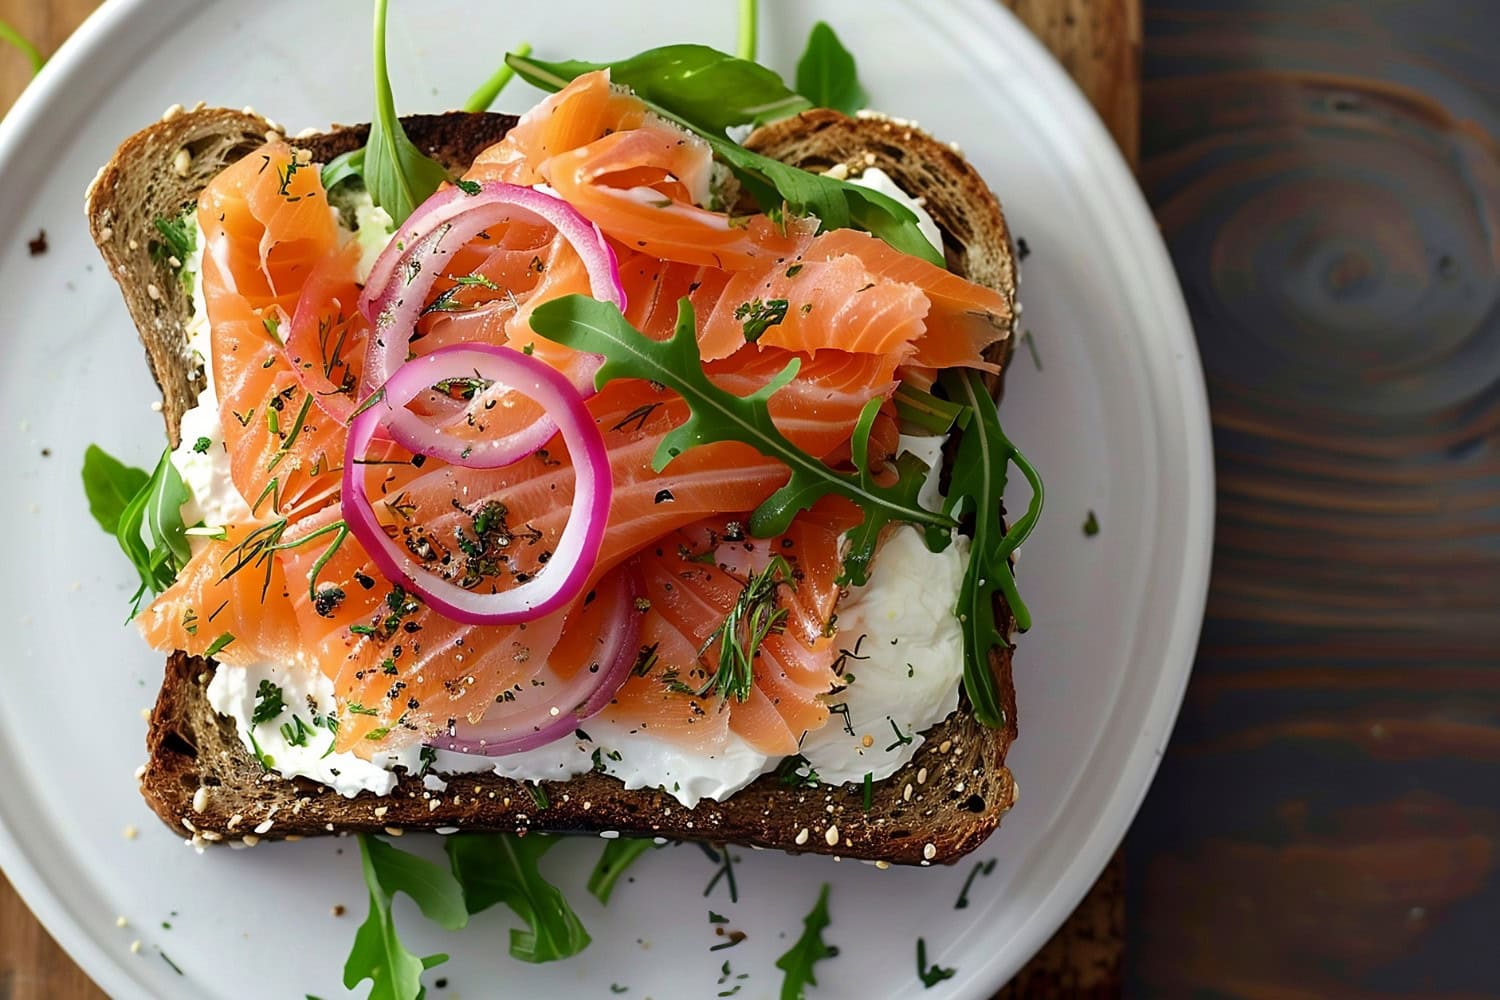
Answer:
(1326, 821)
(1098, 42)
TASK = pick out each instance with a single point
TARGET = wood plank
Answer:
(1098, 42)
(1326, 821)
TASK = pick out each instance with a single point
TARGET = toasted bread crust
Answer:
(943, 804)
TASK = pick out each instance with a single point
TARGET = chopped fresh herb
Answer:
(617, 988)
(725, 861)
(717, 918)
(930, 975)
(355, 708)
(794, 270)
(202, 445)
(1030, 342)
(266, 761)
(467, 186)
(170, 964)
(378, 733)
(826, 75)
(502, 868)
(869, 790)
(619, 854)
(538, 795)
(1091, 525)
(268, 703)
(809, 949)
(980, 868)
(219, 644)
(296, 732)
(757, 317)
(902, 739)
(753, 619)
(178, 240)
(378, 954)
(585, 324)
(797, 772)
(731, 938)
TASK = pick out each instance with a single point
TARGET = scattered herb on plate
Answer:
(933, 974)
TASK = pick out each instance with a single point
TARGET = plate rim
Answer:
(1132, 218)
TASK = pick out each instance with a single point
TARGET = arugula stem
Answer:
(385, 103)
(485, 96)
(746, 46)
(33, 56)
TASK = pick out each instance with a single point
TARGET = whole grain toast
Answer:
(202, 781)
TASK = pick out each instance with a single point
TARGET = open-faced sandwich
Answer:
(584, 471)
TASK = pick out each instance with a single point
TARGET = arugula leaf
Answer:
(977, 487)
(13, 37)
(154, 512)
(931, 413)
(810, 948)
(397, 174)
(619, 854)
(826, 75)
(837, 204)
(502, 868)
(716, 414)
(378, 955)
(343, 167)
(109, 485)
(712, 89)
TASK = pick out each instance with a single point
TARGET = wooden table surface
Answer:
(1326, 821)
(1098, 41)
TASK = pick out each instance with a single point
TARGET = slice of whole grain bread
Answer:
(203, 782)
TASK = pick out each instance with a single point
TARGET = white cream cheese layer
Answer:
(905, 670)
(906, 654)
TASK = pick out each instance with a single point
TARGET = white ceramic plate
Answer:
(1116, 421)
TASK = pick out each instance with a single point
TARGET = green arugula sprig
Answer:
(502, 868)
(826, 75)
(706, 91)
(398, 175)
(977, 489)
(585, 324)
(143, 512)
(810, 948)
(378, 954)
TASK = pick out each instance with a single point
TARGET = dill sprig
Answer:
(754, 618)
